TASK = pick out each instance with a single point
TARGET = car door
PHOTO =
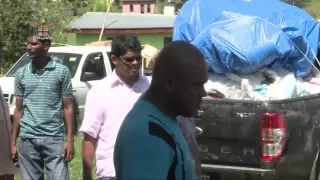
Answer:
(94, 62)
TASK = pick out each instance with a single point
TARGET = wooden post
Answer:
(109, 3)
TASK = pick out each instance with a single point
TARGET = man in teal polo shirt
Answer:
(42, 88)
(150, 144)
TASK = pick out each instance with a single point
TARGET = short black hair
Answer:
(43, 41)
(122, 43)
(48, 41)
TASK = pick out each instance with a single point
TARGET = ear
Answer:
(46, 46)
(113, 59)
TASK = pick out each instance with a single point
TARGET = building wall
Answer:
(156, 40)
(137, 8)
(71, 39)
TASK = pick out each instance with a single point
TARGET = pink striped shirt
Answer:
(107, 104)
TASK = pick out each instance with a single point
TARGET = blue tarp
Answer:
(242, 36)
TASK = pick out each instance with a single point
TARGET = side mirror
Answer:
(88, 76)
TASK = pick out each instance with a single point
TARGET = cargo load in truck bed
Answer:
(238, 36)
(254, 123)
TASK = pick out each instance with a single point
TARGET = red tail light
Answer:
(215, 94)
(212, 95)
(272, 135)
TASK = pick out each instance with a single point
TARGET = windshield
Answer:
(68, 59)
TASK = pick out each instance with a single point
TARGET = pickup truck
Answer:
(263, 140)
(248, 139)
(87, 64)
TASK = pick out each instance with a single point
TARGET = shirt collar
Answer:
(51, 65)
(115, 80)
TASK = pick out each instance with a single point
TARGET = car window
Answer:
(70, 60)
(95, 63)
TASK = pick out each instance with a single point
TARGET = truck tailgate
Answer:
(303, 132)
(230, 132)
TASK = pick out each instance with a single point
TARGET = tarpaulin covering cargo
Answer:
(243, 36)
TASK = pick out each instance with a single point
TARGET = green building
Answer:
(153, 29)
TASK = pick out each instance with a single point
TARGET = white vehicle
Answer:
(87, 64)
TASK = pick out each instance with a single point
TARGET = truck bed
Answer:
(229, 136)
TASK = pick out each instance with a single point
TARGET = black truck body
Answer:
(260, 139)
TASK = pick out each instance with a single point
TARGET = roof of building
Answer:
(94, 20)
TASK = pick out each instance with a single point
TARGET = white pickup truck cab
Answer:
(87, 64)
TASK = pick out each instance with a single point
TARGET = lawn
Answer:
(75, 166)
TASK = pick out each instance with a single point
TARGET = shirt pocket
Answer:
(53, 93)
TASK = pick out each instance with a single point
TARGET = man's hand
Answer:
(68, 151)
(13, 151)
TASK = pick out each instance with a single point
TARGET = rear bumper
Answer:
(234, 169)
(237, 172)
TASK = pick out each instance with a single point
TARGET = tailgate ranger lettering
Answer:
(227, 150)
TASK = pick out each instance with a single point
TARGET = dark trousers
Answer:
(7, 177)
(36, 154)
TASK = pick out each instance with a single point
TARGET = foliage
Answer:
(178, 5)
(102, 6)
(299, 3)
(82, 6)
(303, 4)
(17, 18)
(79, 7)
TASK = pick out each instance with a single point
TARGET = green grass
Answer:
(75, 166)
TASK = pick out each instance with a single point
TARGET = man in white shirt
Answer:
(107, 104)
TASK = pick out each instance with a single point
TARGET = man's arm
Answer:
(68, 108)
(69, 118)
(91, 125)
(18, 113)
(88, 151)
(142, 157)
(16, 126)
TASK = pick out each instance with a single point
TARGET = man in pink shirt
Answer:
(107, 104)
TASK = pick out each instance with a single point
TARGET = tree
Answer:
(303, 4)
(298, 3)
(17, 18)
(79, 7)
(82, 6)
(178, 5)
(102, 6)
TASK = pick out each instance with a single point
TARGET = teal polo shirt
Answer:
(42, 93)
(151, 146)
